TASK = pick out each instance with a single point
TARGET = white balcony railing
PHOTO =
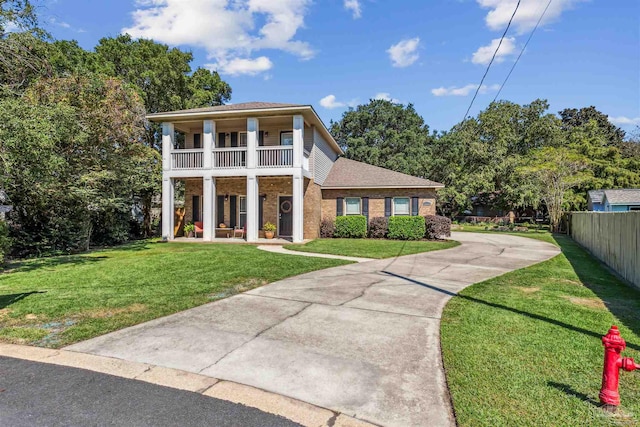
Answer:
(280, 156)
(230, 158)
(186, 159)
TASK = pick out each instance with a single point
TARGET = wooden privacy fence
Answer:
(614, 237)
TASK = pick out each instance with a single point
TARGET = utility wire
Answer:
(492, 58)
(522, 51)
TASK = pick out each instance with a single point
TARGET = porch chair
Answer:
(198, 225)
(241, 230)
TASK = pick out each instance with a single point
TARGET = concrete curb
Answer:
(297, 411)
(281, 250)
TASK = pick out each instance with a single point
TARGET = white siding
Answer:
(323, 157)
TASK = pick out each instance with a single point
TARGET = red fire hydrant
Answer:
(613, 345)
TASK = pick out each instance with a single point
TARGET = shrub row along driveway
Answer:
(361, 339)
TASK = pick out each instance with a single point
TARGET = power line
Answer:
(491, 62)
(522, 51)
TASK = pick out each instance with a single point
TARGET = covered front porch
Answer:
(234, 209)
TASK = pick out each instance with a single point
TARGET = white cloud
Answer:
(239, 66)
(330, 102)
(230, 31)
(354, 6)
(623, 120)
(528, 13)
(404, 52)
(387, 97)
(484, 53)
(464, 90)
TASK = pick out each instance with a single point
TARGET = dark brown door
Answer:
(285, 227)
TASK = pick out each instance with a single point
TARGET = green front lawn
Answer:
(524, 349)
(56, 301)
(371, 248)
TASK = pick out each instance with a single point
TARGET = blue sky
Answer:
(338, 53)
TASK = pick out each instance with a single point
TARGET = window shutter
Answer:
(365, 208)
(261, 138)
(221, 140)
(220, 209)
(260, 212)
(339, 206)
(234, 139)
(233, 210)
(415, 209)
(387, 207)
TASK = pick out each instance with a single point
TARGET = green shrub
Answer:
(5, 242)
(351, 226)
(378, 227)
(406, 227)
(438, 227)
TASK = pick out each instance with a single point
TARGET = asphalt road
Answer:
(38, 394)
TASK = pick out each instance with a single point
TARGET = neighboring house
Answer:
(621, 200)
(594, 200)
(247, 164)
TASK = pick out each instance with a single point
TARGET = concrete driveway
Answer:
(361, 339)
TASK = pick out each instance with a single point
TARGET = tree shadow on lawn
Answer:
(50, 263)
(7, 300)
(620, 298)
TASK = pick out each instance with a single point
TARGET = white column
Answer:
(298, 140)
(208, 208)
(298, 207)
(252, 208)
(208, 130)
(167, 209)
(252, 142)
(167, 144)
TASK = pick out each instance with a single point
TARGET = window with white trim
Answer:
(286, 138)
(401, 206)
(242, 141)
(352, 206)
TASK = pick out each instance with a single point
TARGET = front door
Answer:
(285, 211)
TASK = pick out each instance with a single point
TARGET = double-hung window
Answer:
(401, 206)
(352, 205)
(242, 142)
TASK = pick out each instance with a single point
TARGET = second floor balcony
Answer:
(235, 158)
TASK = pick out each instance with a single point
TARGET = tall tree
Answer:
(164, 80)
(384, 134)
(573, 117)
(553, 172)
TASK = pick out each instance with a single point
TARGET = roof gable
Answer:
(624, 196)
(346, 173)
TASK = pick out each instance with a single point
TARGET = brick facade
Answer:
(269, 189)
(426, 201)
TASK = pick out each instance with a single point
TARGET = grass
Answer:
(56, 301)
(371, 248)
(524, 349)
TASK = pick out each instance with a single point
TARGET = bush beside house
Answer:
(378, 227)
(406, 227)
(351, 227)
(437, 227)
(327, 228)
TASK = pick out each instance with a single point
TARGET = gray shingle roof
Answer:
(232, 107)
(596, 196)
(623, 196)
(347, 173)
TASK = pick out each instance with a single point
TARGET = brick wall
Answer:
(376, 199)
(312, 209)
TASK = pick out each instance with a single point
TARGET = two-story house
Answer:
(247, 164)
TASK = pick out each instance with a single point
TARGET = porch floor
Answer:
(274, 241)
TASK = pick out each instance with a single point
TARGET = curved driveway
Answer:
(361, 339)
